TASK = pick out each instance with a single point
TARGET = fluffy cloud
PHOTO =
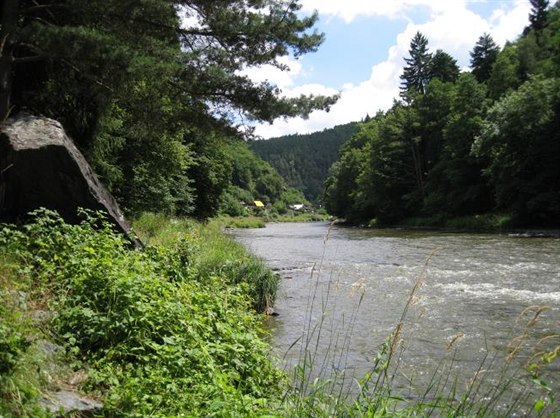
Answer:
(506, 25)
(272, 74)
(355, 102)
(451, 26)
(350, 9)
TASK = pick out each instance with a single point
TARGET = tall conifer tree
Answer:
(538, 14)
(416, 73)
(483, 57)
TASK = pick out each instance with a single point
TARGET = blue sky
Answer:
(366, 41)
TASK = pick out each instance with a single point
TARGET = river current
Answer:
(344, 290)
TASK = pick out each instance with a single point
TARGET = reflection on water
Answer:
(355, 284)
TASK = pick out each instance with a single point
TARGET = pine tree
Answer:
(416, 73)
(444, 67)
(483, 57)
(90, 50)
(538, 14)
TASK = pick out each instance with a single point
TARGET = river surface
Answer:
(344, 290)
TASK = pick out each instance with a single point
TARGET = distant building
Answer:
(297, 206)
(259, 204)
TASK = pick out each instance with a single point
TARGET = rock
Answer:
(64, 402)
(41, 167)
(40, 315)
(269, 311)
(49, 349)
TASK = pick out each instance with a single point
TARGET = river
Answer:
(343, 291)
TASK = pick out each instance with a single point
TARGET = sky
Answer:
(366, 42)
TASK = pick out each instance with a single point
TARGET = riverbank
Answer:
(486, 223)
(169, 331)
(262, 220)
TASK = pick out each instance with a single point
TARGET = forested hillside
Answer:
(151, 91)
(255, 179)
(463, 144)
(304, 160)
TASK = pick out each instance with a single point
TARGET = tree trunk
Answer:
(8, 27)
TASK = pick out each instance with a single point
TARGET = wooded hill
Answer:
(304, 160)
(463, 144)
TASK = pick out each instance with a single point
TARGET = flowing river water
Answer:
(343, 291)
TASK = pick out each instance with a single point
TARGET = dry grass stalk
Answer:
(453, 339)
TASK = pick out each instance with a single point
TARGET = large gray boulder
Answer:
(41, 167)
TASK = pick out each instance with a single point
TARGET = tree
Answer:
(98, 46)
(391, 183)
(520, 140)
(8, 25)
(505, 73)
(483, 57)
(304, 160)
(444, 67)
(455, 186)
(341, 184)
(134, 82)
(538, 14)
(416, 73)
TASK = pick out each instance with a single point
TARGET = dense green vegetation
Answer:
(304, 160)
(462, 145)
(160, 332)
(252, 179)
(151, 91)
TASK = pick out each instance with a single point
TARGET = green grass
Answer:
(298, 217)
(260, 221)
(241, 222)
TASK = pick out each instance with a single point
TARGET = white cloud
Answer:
(350, 9)
(274, 75)
(451, 26)
(507, 25)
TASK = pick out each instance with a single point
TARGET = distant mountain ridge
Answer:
(304, 160)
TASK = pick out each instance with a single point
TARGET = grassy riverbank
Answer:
(173, 331)
(261, 220)
(169, 331)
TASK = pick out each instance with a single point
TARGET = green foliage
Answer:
(444, 67)
(163, 331)
(461, 148)
(454, 184)
(416, 73)
(255, 179)
(520, 141)
(150, 91)
(483, 56)
(242, 222)
(341, 185)
(538, 15)
(505, 73)
(304, 160)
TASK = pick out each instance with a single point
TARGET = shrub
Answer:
(159, 340)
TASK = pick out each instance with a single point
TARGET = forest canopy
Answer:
(148, 89)
(304, 160)
(462, 144)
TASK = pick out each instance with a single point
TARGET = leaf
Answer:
(539, 405)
